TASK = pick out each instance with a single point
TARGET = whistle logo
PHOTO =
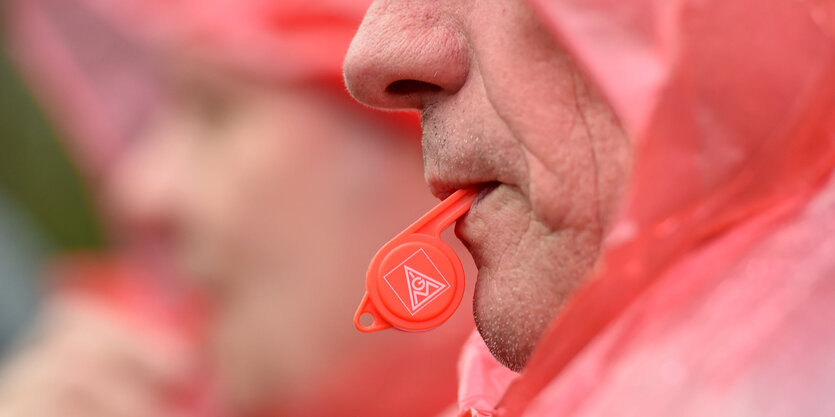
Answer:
(417, 280)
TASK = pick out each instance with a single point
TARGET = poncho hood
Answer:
(730, 106)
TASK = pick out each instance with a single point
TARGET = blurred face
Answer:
(504, 108)
(275, 198)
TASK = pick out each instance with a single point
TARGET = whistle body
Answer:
(415, 282)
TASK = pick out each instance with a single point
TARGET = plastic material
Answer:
(716, 280)
(415, 282)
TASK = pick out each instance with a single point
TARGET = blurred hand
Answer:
(82, 359)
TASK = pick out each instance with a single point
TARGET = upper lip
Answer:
(444, 179)
(452, 161)
(443, 187)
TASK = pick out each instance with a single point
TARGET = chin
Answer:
(526, 270)
(511, 318)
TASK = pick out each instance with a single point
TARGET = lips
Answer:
(445, 175)
(486, 189)
(474, 226)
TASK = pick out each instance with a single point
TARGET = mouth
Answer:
(443, 189)
(468, 227)
(486, 188)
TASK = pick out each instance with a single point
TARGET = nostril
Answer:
(411, 87)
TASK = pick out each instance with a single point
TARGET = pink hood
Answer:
(717, 296)
(95, 64)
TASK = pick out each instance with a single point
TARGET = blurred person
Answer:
(224, 143)
(654, 231)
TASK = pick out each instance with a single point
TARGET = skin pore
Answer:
(504, 107)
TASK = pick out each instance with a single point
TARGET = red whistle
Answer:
(416, 281)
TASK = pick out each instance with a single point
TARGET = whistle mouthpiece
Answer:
(416, 281)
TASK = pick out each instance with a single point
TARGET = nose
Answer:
(404, 57)
(145, 190)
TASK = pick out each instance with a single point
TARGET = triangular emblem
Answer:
(422, 289)
(416, 282)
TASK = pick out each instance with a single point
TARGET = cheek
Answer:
(533, 87)
(239, 183)
(562, 188)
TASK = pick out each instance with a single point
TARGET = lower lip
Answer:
(482, 194)
(485, 190)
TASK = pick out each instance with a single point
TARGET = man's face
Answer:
(505, 108)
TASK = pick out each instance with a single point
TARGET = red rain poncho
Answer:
(717, 295)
